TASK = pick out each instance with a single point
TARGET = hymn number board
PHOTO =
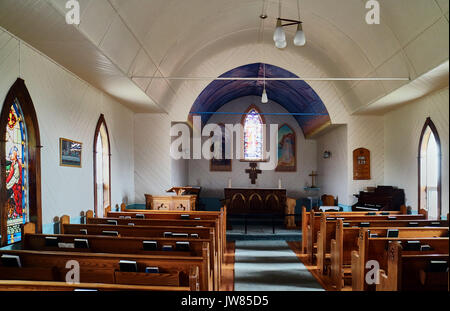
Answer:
(361, 164)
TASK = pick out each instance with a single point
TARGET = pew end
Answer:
(336, 266)
(304, 228)
(63, 220)
(29, 228)
(384, 282)
(403, 209)
(194, 279)
(357, 279)
(391, 281)
(424, 213)
(90, 214)
(106, 210)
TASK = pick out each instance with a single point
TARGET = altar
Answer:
(255, 201)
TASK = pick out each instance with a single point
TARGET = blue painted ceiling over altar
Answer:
(295, 96)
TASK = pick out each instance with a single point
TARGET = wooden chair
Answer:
(328, 200)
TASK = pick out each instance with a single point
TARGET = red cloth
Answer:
(17, 189)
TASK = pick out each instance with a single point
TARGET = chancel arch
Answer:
(20, 190)
(102, 167)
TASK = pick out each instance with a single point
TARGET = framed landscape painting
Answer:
(70, 152)
(287, 160)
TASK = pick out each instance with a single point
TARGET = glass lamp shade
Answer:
(300, 39)
(279, 34)
(281, 44)
(264, 97)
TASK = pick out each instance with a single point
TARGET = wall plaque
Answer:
(361, 164)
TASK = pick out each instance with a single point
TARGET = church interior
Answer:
(224, 145)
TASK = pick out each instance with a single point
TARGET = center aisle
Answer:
(270, 265)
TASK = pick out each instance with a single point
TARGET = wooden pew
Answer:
(18, 286)
(167, 222)
(173, 218)
(346, 241)
(104, 268)
(203, 215)
(211, 223)
(160, 222)
(120, 245)
(407, 271)
(110, 244)
(328, 225)
(152, 232)
(221, 215)
(376, 248)
(306, 219)
(314, 225)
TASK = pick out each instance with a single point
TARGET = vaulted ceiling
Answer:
(297, 97)
(120, 45)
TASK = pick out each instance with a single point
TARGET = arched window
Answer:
(253, 123)
(20, 191)
(430, 170)
(102, 168)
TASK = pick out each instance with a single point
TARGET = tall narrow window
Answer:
(430, 171)
(20, 169)
(102, 168)
(253, 135)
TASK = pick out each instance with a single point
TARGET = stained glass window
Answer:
(16, 173)
(253, 136)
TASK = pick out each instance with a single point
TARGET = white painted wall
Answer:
(333, 172)
(152, 160)
(213, 183)
(69, 107)
(365, 132)
(402, 133)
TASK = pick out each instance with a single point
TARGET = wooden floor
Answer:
(324, 281)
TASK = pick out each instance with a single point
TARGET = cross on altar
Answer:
(313, 174)
(253, 172)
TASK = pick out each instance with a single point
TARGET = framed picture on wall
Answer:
(287, 160)
(221, 165)
(70, 152)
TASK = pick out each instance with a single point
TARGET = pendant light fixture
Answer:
(279, 37)
(263, 16)
(279, 34)
(264, 97)
(299, 39)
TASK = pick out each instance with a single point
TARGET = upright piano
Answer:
(382, 198)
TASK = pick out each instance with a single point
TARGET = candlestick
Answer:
(229, 183)
(279, 183)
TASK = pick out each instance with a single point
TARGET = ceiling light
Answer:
(281, 44)
(279, 37)
(300, 39)
(279, 34)
(264, 97)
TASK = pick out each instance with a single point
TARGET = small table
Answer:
(313, 198)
